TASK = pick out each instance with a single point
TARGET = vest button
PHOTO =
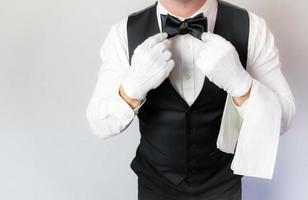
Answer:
(191, 171)
(190, 161)
(189, 130)
(187, 181)
(191, 146)
(189, 111)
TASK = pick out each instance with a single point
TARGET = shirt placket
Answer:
(188, 68)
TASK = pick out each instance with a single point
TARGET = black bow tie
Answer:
(194, 26)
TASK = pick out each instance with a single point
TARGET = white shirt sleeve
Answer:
(107, 112)
(265, 115)
(264, 65)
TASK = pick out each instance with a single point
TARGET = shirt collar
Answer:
(208, 9)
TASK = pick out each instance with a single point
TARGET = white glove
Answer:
(220, 62)
(150, 65)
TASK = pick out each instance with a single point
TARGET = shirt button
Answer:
(187, 76)
(188, 42)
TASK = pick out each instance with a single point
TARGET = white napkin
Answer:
(256, 139)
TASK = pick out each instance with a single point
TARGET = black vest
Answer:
(178, 141)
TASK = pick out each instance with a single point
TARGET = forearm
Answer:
(240, 100)
(133, 103)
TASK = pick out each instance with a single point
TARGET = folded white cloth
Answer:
(257, 142)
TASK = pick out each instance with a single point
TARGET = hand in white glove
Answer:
(220, 62)
(150, 65)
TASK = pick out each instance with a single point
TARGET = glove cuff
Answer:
(131, 90)
(242, 85)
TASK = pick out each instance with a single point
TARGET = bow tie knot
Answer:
(194, 26)
(183, 28)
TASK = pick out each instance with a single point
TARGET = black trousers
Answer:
(157, 188)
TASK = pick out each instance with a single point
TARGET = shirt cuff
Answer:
(109, 116)
(116, 113)
(122, 110)
(240, 109)
(136, 110)
(229, 127)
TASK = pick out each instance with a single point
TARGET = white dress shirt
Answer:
(253, 128)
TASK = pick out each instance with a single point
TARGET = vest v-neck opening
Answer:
(187, 106)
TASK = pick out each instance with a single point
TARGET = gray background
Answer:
(49, 58)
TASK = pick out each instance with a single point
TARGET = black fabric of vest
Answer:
(178, 141)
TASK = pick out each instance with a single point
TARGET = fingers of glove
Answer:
(156, 77)
(204, 37)
(205, 65)
(163, 65)
(150, 42)
(161, 74)
(208, 53)
(208, 43)
(160, 48)
(211, 51)
(155, 39)
(212, 39)
(208, 36)
(167, 42)
(160, 77)
(213, 45)
(169, 66)
(199, 64)
(166, 55)
(160, 52)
